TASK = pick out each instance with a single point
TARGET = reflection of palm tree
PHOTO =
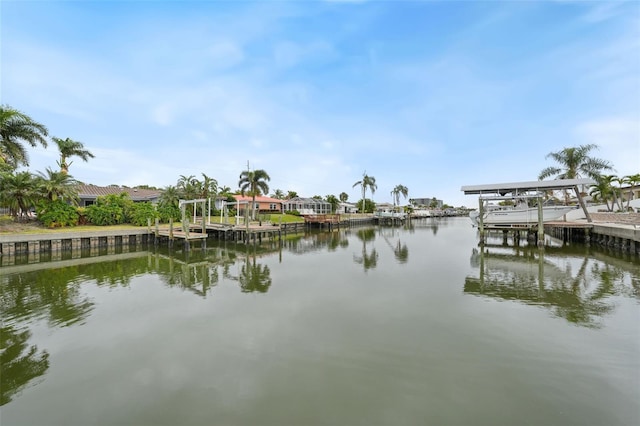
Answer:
(401, 252)
(368, 260)
(20, 364)
(254, 277)
(54, 292)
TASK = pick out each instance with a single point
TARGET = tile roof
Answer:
(259, 199)
(93, 191)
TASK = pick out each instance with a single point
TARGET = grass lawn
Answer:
(9, 226)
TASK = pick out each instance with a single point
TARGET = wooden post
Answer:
(481, 220)
(204, 224)
(540, 224)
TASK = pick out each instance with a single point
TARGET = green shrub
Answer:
(168, 211)
(110, 210)
(140, 213)
(57, 213)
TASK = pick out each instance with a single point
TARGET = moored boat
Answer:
(519, 215)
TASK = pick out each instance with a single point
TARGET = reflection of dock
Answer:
(532, 278)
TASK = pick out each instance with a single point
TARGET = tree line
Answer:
(53, 193)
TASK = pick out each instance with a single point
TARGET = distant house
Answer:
(307, 206)
(385, 207)
(427, 202)
(263, 204)
(88, 194)
(347, 208)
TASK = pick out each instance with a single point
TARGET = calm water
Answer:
(359, 327)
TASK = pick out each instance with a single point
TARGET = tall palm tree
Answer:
(55, 185)
(15, 129)
(254, 183)
(397, 192)
(575, 163)
(367, 182)
(69, 148)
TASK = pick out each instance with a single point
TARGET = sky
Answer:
(426, 94)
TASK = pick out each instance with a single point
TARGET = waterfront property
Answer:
(262, 204)
(307, 206)
(88, 194)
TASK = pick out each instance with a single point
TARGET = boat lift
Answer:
(526, 190)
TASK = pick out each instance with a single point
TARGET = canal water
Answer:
(364, 326)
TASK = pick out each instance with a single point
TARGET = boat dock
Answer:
(620, 230)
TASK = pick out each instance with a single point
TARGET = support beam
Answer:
(581, 202)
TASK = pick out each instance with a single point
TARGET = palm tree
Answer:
(397, 191)
(575, 163)
(632, 181)
(15, 129)
(58, 185)
(291, 194)
(333, 200)
(188, 187)
(209, 187)
(17, 191)
(343, 197)
(366, 182)
(69, 148)
(254, 182)
(278, 194)
(602, 191)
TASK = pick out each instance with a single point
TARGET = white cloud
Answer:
(225, 54)
(618, 139)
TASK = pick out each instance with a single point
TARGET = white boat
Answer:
(391, 214)
(519, 215)
(420, 213)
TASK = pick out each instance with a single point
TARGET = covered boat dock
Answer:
(526, 190)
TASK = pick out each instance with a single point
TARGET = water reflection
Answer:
(577, 288)
(367, 258)
(19, 362)
(55, 296)
(316, 241)
(392, 237)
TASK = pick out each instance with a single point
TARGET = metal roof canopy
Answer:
(519, 187)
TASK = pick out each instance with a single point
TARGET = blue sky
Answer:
(430, 95)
